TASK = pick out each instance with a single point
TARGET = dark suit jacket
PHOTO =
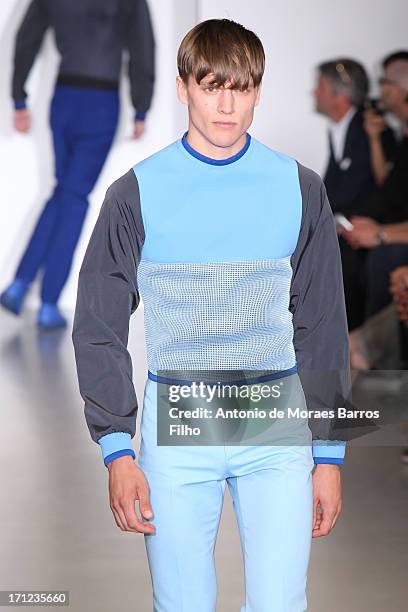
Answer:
(345, 185)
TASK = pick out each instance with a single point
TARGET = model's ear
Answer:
(181, 90)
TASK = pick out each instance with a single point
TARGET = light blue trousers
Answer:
(271, 489)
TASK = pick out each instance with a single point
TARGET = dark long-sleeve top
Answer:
(90, 36)
(238, 265)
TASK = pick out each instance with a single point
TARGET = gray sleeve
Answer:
(140, 42)
(107, 296)
(27, 44)
(318, 306)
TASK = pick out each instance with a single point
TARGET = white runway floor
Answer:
(57, 530)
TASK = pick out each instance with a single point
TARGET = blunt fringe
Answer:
(225, 48)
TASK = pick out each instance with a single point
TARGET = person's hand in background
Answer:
(22, 120)
(374, 123)
(399, 279)
(364, 234)
(399, 291)
(401, 305)
(138, 128)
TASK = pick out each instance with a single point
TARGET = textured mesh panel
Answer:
(222, 315)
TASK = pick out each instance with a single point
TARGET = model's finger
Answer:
(144, 501)
(316, 512)
(119, 516)
(325, 526)
(132, 520)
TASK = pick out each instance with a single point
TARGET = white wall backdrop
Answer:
(296, 35)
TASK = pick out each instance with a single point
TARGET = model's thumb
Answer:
(145, 507)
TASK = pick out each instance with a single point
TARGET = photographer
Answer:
(375, 127)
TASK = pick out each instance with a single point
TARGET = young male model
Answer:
(91, 36)
(233, 249)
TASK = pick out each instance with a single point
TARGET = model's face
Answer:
(324, 95)
(220, 114)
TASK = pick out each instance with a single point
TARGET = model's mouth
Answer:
(227, 124)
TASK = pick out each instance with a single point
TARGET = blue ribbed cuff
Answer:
(139, 116)
(19, 104)
(120, 453)
(328, 460)
(115, 445)
(329, 451)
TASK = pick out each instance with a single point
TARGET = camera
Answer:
(375, 104)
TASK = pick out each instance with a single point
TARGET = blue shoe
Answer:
(13, 297)
(49, 317)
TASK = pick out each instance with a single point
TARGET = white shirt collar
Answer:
(338, 132)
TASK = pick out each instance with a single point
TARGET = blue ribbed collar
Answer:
(211, 160)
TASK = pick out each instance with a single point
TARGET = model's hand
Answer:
(22, 120)
(326, 496)
(127, 483)
(138, 128)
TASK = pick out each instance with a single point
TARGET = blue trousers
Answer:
(83, 123)
(271, 489)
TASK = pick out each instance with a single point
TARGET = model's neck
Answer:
(205, 147)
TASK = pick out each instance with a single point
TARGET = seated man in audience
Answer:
(361, 147)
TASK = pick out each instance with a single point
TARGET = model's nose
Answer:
(226, 101)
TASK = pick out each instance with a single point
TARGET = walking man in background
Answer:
(91, 36)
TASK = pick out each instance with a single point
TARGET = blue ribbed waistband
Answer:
(273, 375)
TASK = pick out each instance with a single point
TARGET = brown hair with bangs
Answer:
(226, 49)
